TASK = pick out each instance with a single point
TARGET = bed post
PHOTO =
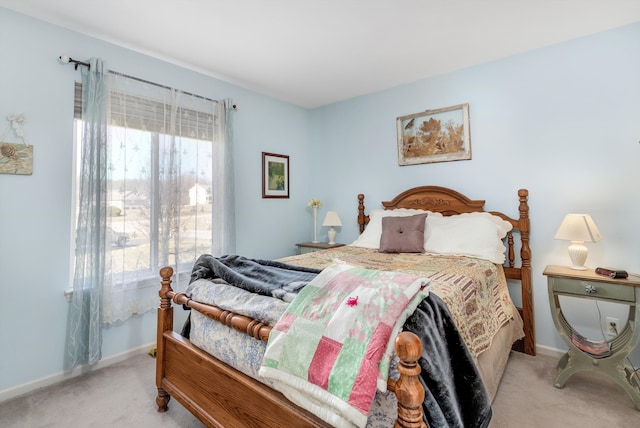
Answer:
(362, 219)
(527, 292)
(408, 389)
(165, 322)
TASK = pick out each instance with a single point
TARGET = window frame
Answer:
(144, 277)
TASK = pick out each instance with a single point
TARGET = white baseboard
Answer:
(549, 352)
(28, 387)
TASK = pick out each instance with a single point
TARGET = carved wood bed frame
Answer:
(221, 396)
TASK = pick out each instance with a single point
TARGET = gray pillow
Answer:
(403, 234)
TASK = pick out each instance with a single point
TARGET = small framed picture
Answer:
(275, 175)
(439, 135)
(16, 159)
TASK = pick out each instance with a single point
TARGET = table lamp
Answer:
(578, 228)
(332, 219)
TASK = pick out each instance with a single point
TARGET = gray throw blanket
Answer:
(266, 277)
(455, 396)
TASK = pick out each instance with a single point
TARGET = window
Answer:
(163, 165)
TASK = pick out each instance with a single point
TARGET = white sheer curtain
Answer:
(168, 190)
(166, 194)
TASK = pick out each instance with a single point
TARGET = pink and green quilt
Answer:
(331, 349)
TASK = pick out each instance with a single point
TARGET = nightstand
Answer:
(309, 247)
(599, 356)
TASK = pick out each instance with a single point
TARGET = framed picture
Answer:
(440, 135)
(275, 175)
(16, 159)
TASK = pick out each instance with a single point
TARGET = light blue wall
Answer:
(562, 122)
(35, 210)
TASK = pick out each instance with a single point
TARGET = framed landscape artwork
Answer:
(275, 175)
(439, 135)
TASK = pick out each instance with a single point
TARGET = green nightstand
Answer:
(605, 357)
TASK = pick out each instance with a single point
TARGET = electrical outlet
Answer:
(612, 326)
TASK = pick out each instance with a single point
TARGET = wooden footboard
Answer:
(221, 396)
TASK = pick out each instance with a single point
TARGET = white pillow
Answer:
(476, 235)
(370, 238)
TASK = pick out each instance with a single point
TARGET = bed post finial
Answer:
(525, 251)
(408, 388)
(165, 273)
(362, 219)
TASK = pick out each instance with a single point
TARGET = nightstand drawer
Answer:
(601, 290)
(305, 250)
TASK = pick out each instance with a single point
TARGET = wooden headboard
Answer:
(450, 202)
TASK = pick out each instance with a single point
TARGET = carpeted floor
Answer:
(526, 398)
(123, 395)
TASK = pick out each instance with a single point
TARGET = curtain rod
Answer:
(65, 59)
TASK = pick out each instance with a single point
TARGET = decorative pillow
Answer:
(403, 234)
(370, 238)
(476, 235)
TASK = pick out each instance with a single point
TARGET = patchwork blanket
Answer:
(331, 348)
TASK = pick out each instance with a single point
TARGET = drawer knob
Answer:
(590, 289)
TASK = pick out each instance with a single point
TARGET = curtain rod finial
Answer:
(66, 59)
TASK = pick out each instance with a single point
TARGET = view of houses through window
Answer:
(159, 205)
(145, 234)
(142, 234)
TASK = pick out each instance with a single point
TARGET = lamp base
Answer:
(578, 254)
(332, 235)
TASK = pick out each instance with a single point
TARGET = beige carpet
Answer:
(123, 395)
(526, 398)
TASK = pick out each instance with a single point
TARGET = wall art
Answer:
(15, 158)
(275, 175)
(439, 135)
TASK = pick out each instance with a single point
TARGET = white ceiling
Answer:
(316, 52)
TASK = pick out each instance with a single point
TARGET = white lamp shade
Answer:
(578, 228)
(332, 219)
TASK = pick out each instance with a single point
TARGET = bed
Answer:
(223, 396)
